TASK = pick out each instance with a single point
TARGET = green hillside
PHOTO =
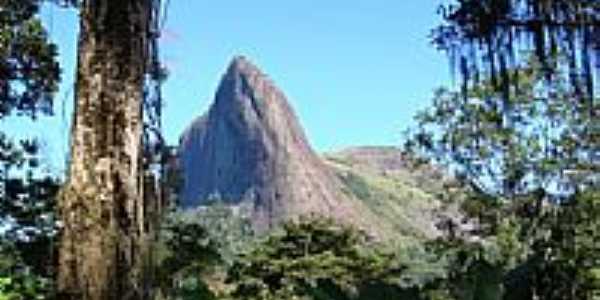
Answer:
(403, 199)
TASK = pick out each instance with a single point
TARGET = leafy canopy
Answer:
(312, 258)
(488, 38)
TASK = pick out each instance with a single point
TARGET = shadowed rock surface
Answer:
(249, 149)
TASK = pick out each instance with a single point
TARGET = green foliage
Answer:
(30, 72)
(29, 75)
(357, 185)
(313, 259)
(27, 201)
(187, 252)
(553, 254)
(569, 257)
(474, 270)
(509, 146)
(397, 205)
(228, 226)
(17, 279)
(533, 234)
(316, 258)
(487, 38)
(22, 287)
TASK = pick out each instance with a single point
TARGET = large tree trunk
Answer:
(102, 250)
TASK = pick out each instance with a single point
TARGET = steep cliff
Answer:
(250, 150)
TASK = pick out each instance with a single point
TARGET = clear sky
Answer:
(355, 71)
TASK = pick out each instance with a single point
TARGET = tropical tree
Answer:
(532, 135)
(517, 155)
(510, 147)
(568, 259)
(315, 258)
(105, 204)
(187, 254)
(29, 76)
(487, 38)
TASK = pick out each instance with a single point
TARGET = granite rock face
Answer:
(249, 149)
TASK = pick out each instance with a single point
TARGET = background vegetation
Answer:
(520, 138)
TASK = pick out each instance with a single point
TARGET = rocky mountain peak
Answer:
(249, 149)
(242, 65)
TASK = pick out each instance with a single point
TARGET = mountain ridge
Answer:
(250, 150)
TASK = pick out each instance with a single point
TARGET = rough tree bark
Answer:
(102, 250)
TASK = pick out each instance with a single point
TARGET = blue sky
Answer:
(355, 71)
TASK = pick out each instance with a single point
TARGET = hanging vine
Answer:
(487, 38)
(155, 150)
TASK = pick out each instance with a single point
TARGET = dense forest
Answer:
(519, 134)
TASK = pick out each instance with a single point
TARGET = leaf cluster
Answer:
(487, 38)
(313, 258)
(29, 71)
(509, 146)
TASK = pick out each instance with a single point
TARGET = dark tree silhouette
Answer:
(488, 37)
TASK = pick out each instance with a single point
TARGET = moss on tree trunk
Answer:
(101, 206)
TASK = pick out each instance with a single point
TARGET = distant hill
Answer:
(401, 194)
(250, 150)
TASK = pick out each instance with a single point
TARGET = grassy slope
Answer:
(402, 200)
